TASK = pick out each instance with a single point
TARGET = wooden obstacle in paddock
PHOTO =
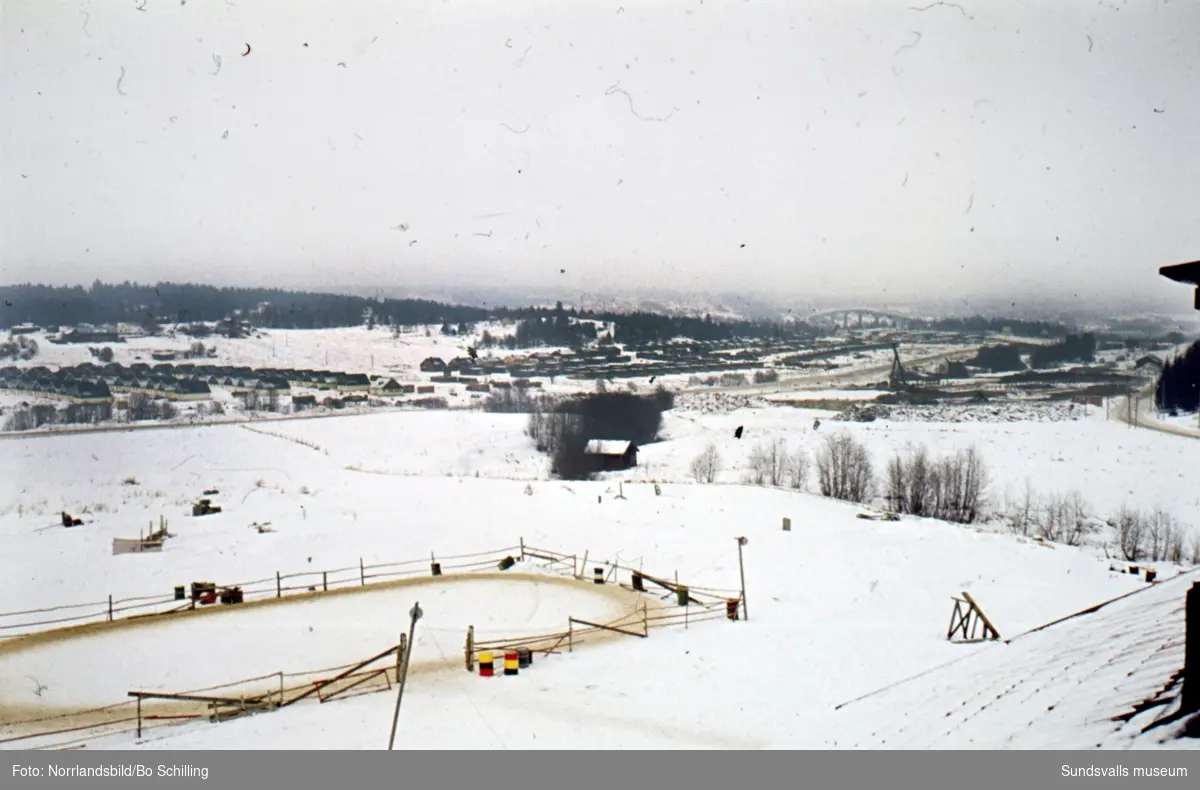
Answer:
(671, 587)
(135, 546)
(319, 685)
(966, 620)
(576, 621)
(220, 708)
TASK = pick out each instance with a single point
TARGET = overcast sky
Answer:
(851, 146)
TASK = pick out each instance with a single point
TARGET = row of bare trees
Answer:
(1155, 535)
(843, 467)
(950, 488)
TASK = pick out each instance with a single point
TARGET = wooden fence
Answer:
(691, 605)
(212, 703)
(30, 621)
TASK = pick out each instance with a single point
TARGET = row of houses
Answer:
(70, 391)
(89, 381)
(75, 389)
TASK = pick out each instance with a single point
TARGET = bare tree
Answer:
(768, 463)
(797, 469)
(844, 469)
(705, 466)
(951, 488)
(1021, 513)
(1131, 537)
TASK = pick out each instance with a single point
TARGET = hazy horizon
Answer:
(862, 151)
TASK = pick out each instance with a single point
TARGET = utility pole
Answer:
(415, 613)
(742, 570)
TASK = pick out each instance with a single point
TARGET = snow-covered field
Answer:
(839, 606)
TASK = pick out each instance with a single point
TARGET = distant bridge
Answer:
(857, 317)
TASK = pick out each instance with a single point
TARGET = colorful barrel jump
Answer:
(598, 574)
(511, 663)
(485, 663)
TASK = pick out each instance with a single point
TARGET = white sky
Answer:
(1015, 147)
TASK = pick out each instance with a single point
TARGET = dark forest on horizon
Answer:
(152, 306)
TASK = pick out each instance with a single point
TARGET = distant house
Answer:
(190, 390)
(302, 402)
(433, 365)
(354, 382)
(89, 392)
(272, 386)
(611, 454)
(388, 388)
(1149, 366)
(162, 356)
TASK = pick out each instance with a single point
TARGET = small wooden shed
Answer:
(611, 454)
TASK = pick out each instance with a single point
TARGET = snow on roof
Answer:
(607, 447)
(1106, 679)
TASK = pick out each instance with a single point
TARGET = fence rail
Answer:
(361, 575)
(700, 604)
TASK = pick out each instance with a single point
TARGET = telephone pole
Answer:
(742, 570)
(415, 613)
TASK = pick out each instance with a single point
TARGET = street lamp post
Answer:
(415, 613)
(741, 541)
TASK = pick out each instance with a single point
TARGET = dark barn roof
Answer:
(1182, 272)
(1185, 273)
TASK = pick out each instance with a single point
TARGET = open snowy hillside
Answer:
(839, 606)
(961, 153)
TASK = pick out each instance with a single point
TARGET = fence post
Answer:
(470, 648)
(570, 635)
(1190, 696)
(362, 572)
(278, 585)
(280, 688)
(139, 717)
(110, 609)
(522, 549)
(400, 655)
(324, 581)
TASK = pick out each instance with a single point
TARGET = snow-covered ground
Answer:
(839, 606)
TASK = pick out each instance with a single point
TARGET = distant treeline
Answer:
(183, 303)
(1072, 348)
(1179, 385)
(979, 323)
(150, 305)
(273, 308)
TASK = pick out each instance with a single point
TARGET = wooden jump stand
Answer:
(966, 620)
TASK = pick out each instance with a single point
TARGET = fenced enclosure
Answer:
(677, 604)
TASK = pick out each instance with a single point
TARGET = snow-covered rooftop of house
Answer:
(1107, 678)
(607, 447)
